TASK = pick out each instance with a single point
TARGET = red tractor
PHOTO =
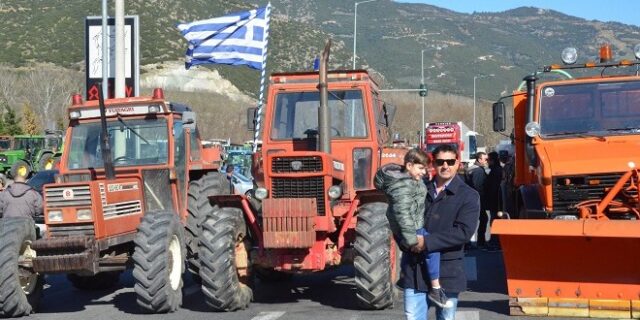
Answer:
(314, 205)
(132, 182)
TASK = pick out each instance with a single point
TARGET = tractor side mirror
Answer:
(498, 117)
(387, 114)
(189, 120)
(251, 119)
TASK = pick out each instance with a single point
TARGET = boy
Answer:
(406, 192)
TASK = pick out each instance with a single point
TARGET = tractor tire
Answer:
(22, 167)
(20, 288)
(46, 161)
(198, 204)
(100, 281)
(224, 260)
(159, 262)
(376, 259)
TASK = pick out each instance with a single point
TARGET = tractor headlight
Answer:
(55, 216)
(569, 55)
(636, 51)
(74, 114)
(335, 192)
(154, 109)
(83, 214)
(532, 129)
(261, 193)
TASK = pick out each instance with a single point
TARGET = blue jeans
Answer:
(433, 259)
(416, 306)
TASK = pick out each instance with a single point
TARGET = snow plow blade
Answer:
(575, 268)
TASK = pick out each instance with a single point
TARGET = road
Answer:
(312, 297)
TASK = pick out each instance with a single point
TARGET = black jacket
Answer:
(451, 219)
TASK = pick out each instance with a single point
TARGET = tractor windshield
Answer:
(609, 108)
(139, 142)
(296, 115)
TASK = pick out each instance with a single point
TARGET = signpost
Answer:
(93, 56)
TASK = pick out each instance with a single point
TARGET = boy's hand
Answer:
(418, 247)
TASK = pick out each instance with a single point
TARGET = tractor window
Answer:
(296, 115)
(133, 143)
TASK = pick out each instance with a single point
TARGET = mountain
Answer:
(390, 38)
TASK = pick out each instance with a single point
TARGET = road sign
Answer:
(93, 56)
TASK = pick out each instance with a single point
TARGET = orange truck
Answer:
(571, 247)
(132, 183)
(314, 206)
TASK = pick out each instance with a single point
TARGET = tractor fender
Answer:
(362, 197)
(530, 204)
(250, 212)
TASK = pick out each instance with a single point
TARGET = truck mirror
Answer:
(388, 112)
(189, 120)
(251, 119)
(498, 117)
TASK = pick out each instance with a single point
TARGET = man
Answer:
(476, 177)
(451, 216)
(20, 200)
(229, 172)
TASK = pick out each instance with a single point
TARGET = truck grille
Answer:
(566, 197)
(306, 164)
(81, 196)
(71, 230)
(312, 187)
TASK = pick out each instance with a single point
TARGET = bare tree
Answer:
(50, 91)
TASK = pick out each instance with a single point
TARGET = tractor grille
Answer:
(566, 197)
(306, 164)
(77, 196)
(127, 207)
(312, 187)
(71, 230)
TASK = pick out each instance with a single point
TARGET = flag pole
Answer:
(258, 116)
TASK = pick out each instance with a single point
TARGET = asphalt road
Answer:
(329, 295)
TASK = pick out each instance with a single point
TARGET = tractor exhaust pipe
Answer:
(324, 121)
(104, 141)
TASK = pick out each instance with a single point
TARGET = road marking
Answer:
(471, 268)
(194, 288)
(468, 315)
(270, 315)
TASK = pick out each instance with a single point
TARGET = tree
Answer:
(31, 123)
(12, 122)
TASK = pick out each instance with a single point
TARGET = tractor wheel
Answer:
(20, 167)
(100, 281)
(20, 288)
(376, 261)
(159, 262)
(210, 184)
(224, 260)
(46, 161)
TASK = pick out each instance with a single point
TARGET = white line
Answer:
(471, 268)
(271, 315)
(191, 289)
(468, 315)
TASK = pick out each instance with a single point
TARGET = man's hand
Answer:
(418, 247)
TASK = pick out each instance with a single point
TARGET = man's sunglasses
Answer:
(440, 162)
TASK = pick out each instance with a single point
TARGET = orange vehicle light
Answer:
(594, 182)
(605, 53)
(590, 64)
(76, 100)
(626, 62)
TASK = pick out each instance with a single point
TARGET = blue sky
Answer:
(611, 10)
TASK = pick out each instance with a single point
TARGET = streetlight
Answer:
(422, 124)
(474, 97)
(355, 26)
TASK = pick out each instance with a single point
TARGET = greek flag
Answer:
(236, 39)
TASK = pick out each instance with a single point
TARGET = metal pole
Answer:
(474, 103)
(105, 52)
(120, 68)
(355, 28)
(422, 124)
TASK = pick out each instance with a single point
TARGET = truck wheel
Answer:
(159, 262)
(224, 260)
(46, 161)
(20, 288)
(198, 204)
(100, 281)
(20, 167)
(376, 263)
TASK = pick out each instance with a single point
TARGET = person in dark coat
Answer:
(492, 191)
(20, 200)
(476, 176)
(452, 209)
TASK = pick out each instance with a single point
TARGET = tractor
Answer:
(132, 182)
(314, 206)
(40, 154)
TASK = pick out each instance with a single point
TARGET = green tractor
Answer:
(31, 153)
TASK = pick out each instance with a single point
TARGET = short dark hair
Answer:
(229, 168)
(493, 156)
(480, 154)
(444, 148)
(417, 156)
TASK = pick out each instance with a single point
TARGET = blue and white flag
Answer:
(237, 39)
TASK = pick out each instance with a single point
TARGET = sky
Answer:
(612, 10)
